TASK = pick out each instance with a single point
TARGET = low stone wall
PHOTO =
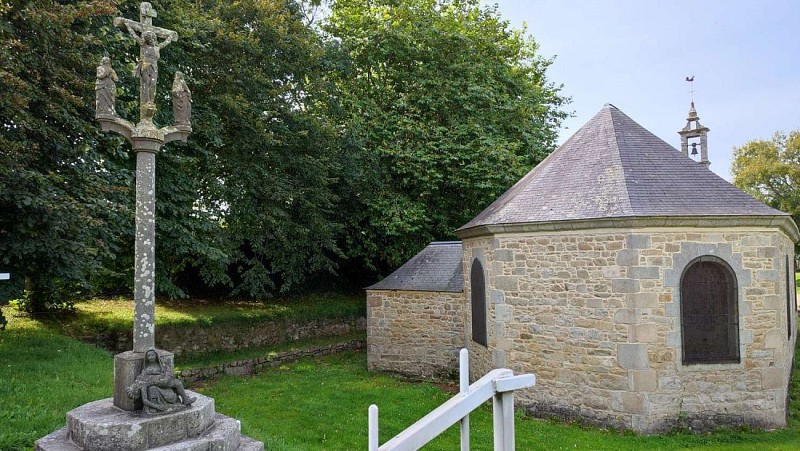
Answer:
(251, 366)
(203, 338)
(415, 333)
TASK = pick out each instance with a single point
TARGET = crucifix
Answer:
(147, 36)
(146, 140)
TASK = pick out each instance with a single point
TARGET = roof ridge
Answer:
(618, 134)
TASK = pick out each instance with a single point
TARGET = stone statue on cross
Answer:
(147, 36)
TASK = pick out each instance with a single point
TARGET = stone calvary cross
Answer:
(150, 409)
(146, 140)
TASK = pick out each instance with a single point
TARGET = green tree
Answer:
(445, 107)
(59, 186)
(246, 204)
(261, 159)
(769, 170)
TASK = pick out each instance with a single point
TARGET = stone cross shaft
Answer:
(146, 140)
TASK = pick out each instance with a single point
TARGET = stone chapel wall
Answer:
(595, 314)
(415, 333)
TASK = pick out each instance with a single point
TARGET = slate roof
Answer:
(438, 267)
(613, 167)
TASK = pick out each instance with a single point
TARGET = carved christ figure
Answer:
(147, 70)
(147, 36)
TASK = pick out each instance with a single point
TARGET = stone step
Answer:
(223, 435)
(57, 441)
(248, 444)
(100, 426)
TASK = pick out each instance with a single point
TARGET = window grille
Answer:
(709, 313)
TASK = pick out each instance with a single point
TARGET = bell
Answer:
(694, 148)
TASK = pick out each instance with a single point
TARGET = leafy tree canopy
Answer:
(59, 187)
(445, 107)
(769, 170)
(341, 149)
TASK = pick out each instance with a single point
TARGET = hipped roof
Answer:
(613, 167)
(438, 267)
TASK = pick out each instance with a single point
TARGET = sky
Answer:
(636, 55)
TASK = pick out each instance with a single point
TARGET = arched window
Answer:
(478, 292)
(709, 313)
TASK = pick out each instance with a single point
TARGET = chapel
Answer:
(644, 291)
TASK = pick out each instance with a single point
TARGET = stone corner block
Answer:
(625, 286)
(504, 312)
(641, 300)
(506, 283)
(774, 339)
(643, 380)
(628, 257)
(773, 377)
(497, 297)
(504, 255)
(633, 356)
(643, 272)
(642, 333)
(637, 242)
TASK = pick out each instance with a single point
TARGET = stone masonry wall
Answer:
(201, 338)
(415, 333)
(596, 316)
(248, 367)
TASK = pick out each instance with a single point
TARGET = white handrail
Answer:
(498, 385)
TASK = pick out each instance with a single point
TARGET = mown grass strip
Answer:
(103, 315)
(321, 404)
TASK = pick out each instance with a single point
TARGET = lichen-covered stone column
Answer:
(144, 271)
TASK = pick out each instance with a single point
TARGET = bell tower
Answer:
(694, 133)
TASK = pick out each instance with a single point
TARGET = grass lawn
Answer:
(43, 374)
(98, 315)
(311, 405)
(322, 405)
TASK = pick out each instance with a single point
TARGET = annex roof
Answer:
(613, 167)
(438, 267)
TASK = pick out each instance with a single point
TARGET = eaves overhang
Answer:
(783, 222)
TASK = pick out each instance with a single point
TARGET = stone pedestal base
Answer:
(128, 365)
(100, 426)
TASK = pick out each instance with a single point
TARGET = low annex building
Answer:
(644, 291)
(415, 317)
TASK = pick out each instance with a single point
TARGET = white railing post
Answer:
(464, 390)
(508, 420)
(497, 417)
(373, 428)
